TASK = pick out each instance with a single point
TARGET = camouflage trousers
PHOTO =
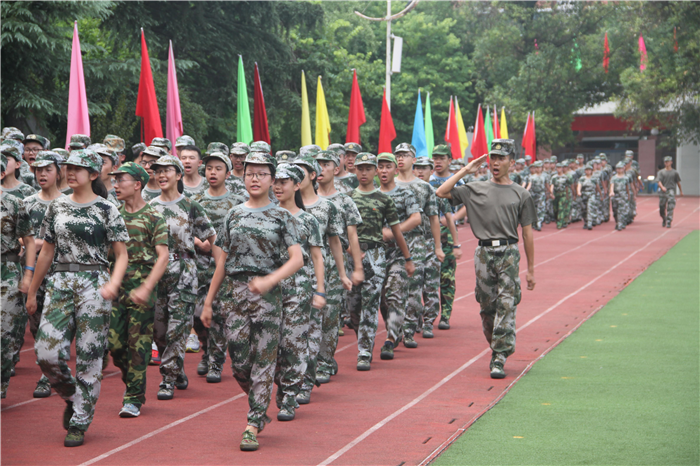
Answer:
(606, 207)
(549, 211)
(667, 204)
(597, 209)
(363, 300)
(431, 288)
(392, 304)
(561, 209)
(35, 320)
(213, 338)
(252, 332)
(577, 209)
(131, 336)
(633, 205)
(620, 207)
(498, 293)
(74, 307)
(540, 208)
(331, 320)
(588, 209)
(13, 313)
(414, 304)
(174, 317)
(448, 268)
(293, 356)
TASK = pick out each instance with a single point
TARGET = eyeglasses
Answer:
(122, 180)
(146, 163)
(257, 176)
(32, 150)
(162, 171)
(402, 155)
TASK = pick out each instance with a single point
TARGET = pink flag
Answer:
(78, 117)
(642, 54)
(173, 116)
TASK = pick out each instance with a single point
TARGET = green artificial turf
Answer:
(623, 389)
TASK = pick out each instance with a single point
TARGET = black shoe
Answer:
(334, 367)
(12, 372)
(323, 378)
(166, 391)
(181, 382)
(286, 414)
(74, 438)
(203, 367)
(43, 389)
(67, 414)
(428, 333)
(444, 324)
(213, 376)
(387, 351)
(409, 342)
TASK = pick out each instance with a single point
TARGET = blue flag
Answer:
(418, 139)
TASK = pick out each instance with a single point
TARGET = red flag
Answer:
(529, 139)
(606, 54)
(496, 129)
(479, 145)
(642, 54)
(260, 130)
(387, 132)
(146, 102)
(356, 117)
(452, 133)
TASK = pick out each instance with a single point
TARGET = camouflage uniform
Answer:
(74, 307)
(149, 194)
(620, 202)
(177, 290)
(254, 241)
(433, 275)
(200, 188)
(561, 185)
(588, 192)
(347, 183)
(20, 191)
(667, 200)
(376, 209)
(131, 324)
(597, 203)
(15, 225)
(237, 186)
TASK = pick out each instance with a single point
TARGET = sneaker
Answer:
(155, 356)
(129, 410)
(444, 324)
(409, 342)
(203, 367)
(428, 333)
(214, 375)
(497, 371)
(192, 345)
(74, 438)
(363, 363)
(304, 397)
(249, 442)
(323, 378)
(286, 414)
(387, 351)
(43, 388)
(67, 414)
(181, 382)
(341, 332)
(166, 391)
(668, 225)
(334, 367)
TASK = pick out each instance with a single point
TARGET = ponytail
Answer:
(298, 200)
(98, 187)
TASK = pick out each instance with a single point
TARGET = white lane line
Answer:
(343, 348)
(387, 419)
(162, 429)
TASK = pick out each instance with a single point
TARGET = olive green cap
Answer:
(441, 149)
(309, 162)
(184, 140)
(45, 143)
(217, 147)
(260, 158)
(424, 162)
(155, 151)
(337, 148)
(239, 148)
(102, 149)
(285, 156)
(386, 157)
(310, 150)
(114, 142)
(365, 158)
(79, 141)
(353, 147)
(162, 142)
(11, 151)
(260, 146)
(505, 147)
(405, 147)
(135, 170)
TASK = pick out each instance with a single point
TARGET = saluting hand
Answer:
(473, 166)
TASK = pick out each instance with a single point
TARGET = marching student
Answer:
(344, 180)
(620, 193)
(192, 181)
(11, 184)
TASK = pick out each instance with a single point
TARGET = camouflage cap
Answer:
(528, 158)
(311, 150)
(162, 142)
(260, 158)
(85, 158)
(114, 142)
(424, 162)
(284, 156)
(260, 146)
(668, 158)
(217, 147)
(386, 157)
(10, 132)
(11, 151)
(184, 140)
(290, 171)
(136, 149)
(218, 155)
(505, 147)
(337, 148)
(239, 148)
(309, 162)
(46, 157)
(458, 162)
(353, 147)
(629, 154)
(135, 170)
(596, 160)
(168, 161)
(45, 143)
(537, 164)
(103, 150)
(603, 156)
(79, 141)
(484, 165)
(15, 143)
(589, 166)
(3, 163)
(155, 151)
(441, 149)
(405, 147)
(620, 165)
(365, 158)
(62, 152)
(561, 165)
(580, 156)
(553, 159)
(520, 161)
(454, 167)
(328, 156)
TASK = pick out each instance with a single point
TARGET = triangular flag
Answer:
(479, 144)
(496, 129)
(146, 102)
(606, 54)
(429, 135)
(305, 115)
(387, 132)
(461, 130)
(452, 133)
(418, 140)
(261, 132)
(488, 127)
(503, 126)
(642, 54)
(244, 129)
(78, 117)
(529, 138)
(576, 57)
(173, 115)
(356, 116)
(323, 124)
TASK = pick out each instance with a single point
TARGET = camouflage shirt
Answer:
(348, 214)
(342, 187)
(36, 208)
(329, 221)
(561, 183)
(82, 233)
(427, 201)
(237, 186)
(147, 229)
(186, 220)
(376, 209)
(515, 177)
(149, 194)
(15, 224)
(27, 177)
(350, 180)
(406, 205)
(112, 197)
(309, 235)
(200, 188)
(537, 185)
(620, 184)
(21, 190)
(255, 239)
(588, 186)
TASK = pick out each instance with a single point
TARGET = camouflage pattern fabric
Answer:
(112, 197)
(21, 191)
(36, 208)
(363, 300)
(448, 285)
(237, 186)
(431, 287)
(350, 180)
(199, 189)
(149, 194)
(620, 203)
(667, 204)
(539, 196)
(27, 177)
(349, 214)
(498, 294)
(561, 202)
(376, 210)
(342, 187)
(588, 191)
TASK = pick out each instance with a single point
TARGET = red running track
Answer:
(403, 411)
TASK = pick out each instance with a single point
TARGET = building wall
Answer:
(688, 166)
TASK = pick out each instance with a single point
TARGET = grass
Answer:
(623, 389)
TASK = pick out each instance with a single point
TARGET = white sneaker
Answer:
(129, 410)
(192, 344)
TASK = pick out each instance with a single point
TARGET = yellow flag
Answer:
(503, 127)
(323, 124)
(305, 115)
(463, 141)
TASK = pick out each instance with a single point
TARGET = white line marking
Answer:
(338, 350)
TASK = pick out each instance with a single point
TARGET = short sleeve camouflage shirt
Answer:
(328, 218)
(36, 208)
(21, 191)
(15, 223)
(147, 229)
(348, 214)
(406, 205)
(427, 200)
(186, 220)
(376, 209)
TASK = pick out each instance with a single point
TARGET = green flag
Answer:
(244, 129)
(489, 128)
(429, 137)
(576, 57)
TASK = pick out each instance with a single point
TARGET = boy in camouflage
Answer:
(559, 189)
(344, 180)
(668, 179)
(351, 151)
(33, 144)
(538, 189)
(620, 192)
(133, 312)
(148, 158)
(495, 210)
(376, 209)
(587, 189)
(192, 181)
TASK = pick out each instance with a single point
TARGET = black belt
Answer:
(10, 258)
(497, 242)
(78, 267)
(367, 246)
